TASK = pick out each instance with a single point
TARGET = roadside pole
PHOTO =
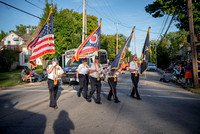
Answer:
(192, 43)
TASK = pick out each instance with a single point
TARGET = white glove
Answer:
(77, 79)
(54, 64)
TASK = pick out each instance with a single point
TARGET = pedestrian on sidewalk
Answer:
(188, 73)
(95, 71)
(54, 72)
(112, 81)
(134, 70)
(82, 76)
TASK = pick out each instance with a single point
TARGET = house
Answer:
(18, 43)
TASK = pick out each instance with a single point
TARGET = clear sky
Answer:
(128, 13)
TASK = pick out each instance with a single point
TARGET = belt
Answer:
(50, 79)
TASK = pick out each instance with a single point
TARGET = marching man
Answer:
(95, 71)
(82, 75)
(134, 69)
(54, 72)
(112, 81)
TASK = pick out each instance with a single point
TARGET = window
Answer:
(8, 42)
(103, 58)
(26, 58)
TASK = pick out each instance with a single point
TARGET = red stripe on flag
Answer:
(45, 39)
(89, 50)
(43, 46)
(33, 63)
(42, 54)
(32, 43)
(72, 60)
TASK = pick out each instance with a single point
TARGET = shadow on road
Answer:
(63, 124)
(14, 121)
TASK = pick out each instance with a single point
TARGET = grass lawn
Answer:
(197, 91)
(12, 78)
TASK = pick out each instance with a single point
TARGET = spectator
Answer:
(25, 77)
(123, 67)
(177, 71)
(39, 77)
(188, 73)
(45, 74)
(182, 72)
(166, 77)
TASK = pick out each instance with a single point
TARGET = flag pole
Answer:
(149, 40)
(99, 36)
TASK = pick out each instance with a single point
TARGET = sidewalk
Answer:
(180, 82)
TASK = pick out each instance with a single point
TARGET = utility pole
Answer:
(117, 38)
(83, 29)
(156, 54)
(192, 44)
(85, 33)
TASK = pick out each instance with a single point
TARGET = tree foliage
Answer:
(167, 49)
(8, 57)
(178, 8)
(2, 35)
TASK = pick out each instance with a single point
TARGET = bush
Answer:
(39, 67)
(8, 57)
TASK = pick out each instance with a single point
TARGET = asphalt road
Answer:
(164, 109)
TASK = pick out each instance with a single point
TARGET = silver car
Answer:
(151, 66)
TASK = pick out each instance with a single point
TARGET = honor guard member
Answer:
(112, 81)
(54, 72)
(82, 75)
(95, 71)
(134, 69)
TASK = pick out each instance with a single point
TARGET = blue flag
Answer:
(116, 65)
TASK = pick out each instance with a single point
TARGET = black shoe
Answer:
(78, 94)
(117, 101)
(132, 96)
(108, 98)
(138, 98)
(89, 100)
(98, 102)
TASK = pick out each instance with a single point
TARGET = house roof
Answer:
(28, 37)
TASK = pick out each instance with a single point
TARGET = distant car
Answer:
(151, 66)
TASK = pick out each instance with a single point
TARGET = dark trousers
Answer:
(83, 83)
(53, 89)
(113, 91)
(135, 80)
(95, 85)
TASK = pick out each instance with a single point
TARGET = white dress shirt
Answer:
(108, 73)
(98, 68)
(83, 69)
(133, 65)
(50, 75)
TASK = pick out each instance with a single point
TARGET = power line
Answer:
(20, 10)
(33, 4)
(163, 27)
(35, 15)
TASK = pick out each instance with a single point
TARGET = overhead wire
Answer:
(33, 15)
(33, 4)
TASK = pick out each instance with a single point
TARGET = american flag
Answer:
(43, 43)
(90, 44)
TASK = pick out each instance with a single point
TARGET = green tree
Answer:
(7, 59)
(167, 48)
(2, 35)
(178, 8)
(21, 29)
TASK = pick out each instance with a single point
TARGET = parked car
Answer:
(151, 66)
